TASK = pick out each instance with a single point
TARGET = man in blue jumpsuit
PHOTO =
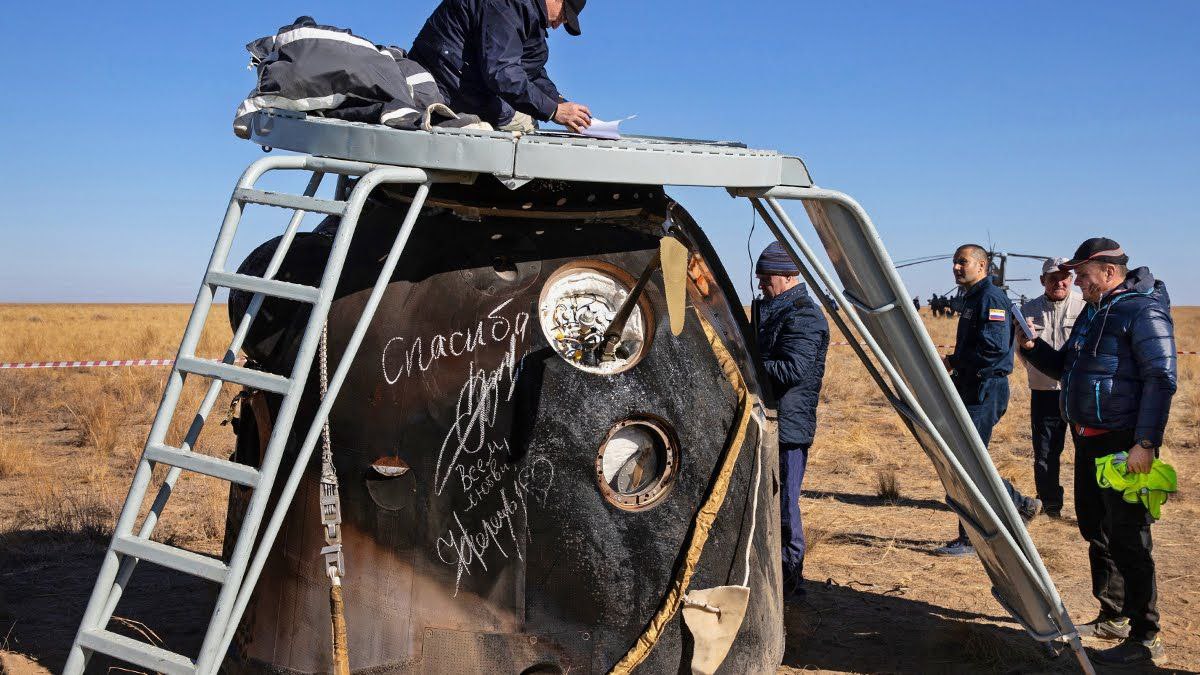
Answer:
(488, 57)
(980, 364)
(793, 337)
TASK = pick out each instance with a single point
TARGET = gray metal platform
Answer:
(631, 160)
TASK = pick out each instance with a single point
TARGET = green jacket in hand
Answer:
(1151, 489)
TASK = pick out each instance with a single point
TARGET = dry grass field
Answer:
(69, 440)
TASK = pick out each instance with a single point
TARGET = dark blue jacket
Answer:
(489, 58)
(1118, 367)
(792, 340)
(983, 347)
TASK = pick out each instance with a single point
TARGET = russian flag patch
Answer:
(996, 314)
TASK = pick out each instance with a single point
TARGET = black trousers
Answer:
(1118, 536)
(1049, 432)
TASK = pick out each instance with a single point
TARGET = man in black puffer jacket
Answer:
(793, 337)
(1118, 375)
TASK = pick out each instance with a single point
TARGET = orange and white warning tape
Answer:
(29, 365)
(86, 364)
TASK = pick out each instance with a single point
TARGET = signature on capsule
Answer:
(475, 412)
(466, 544)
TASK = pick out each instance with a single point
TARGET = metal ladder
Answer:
(238, 577)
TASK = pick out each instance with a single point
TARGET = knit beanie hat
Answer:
(775, 260)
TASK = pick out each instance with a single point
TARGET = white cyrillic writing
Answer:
(404, 356)
(464, 547)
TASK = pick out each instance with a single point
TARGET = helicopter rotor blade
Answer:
(922, 261)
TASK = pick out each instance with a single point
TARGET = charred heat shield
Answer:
(516, 500)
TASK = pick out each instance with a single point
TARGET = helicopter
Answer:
(950, 302)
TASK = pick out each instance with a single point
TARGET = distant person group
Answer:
(1101, 368)
(940, 305)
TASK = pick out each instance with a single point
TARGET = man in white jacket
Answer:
(1054, 314)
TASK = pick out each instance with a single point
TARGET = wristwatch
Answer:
(1146, 444)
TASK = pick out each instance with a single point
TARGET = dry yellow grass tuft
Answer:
(72, 512)
(98, 422)
(16, 457)
(887, 485)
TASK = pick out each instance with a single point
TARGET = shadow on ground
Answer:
(45, 581)
(872, 500)
(861, 539)
(840, 628)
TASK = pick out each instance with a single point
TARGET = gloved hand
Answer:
(520, 123)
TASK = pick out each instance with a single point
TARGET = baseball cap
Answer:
(1052, 265)
(571, 10)
(1099, 249)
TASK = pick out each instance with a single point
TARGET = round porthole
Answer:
(577, 305)
(390, 483)
(637, 463)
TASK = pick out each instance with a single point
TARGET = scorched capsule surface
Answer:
(514, 500)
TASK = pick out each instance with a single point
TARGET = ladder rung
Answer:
(283, 200)
(136, 652)
(230, 373)
(172, 557)
(209, 466)
(271, 287)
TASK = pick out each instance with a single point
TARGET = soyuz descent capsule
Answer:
(537, 473)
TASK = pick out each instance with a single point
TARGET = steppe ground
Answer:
(879, 600)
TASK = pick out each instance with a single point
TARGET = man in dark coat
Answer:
(792, 340)
(1118, 375)
(980, 364)
(489, 59)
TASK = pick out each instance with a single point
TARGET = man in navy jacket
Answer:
(489, 59)
(793, 337)
(980, 365)
(1118, 374)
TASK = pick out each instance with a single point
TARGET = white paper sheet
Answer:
(606, 130)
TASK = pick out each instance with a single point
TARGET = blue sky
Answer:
(1032, 125)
